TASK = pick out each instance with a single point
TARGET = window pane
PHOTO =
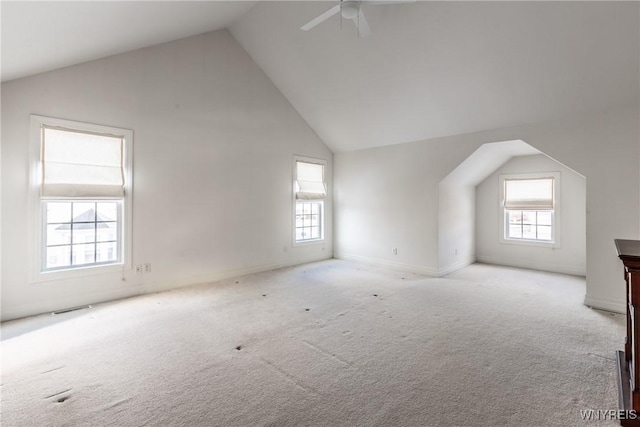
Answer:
(515, 231)
(528, 232)
(528, 217)
(58, 212)
(308, 221)
(515, 217)
(530, 225)
(107, 211)
(84, 232)
(83, 212)
(106, 252)
(58, 234)
(83, 254)
(107, 231)
(58, 256)
(544, 217)
(544, 232)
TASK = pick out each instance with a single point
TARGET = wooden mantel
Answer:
(627, 363)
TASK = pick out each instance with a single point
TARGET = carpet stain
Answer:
(307, 309)
(326, 353)
(375, 295)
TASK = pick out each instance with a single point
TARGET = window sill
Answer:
(48, 276)
(524, 242)
(309, 242)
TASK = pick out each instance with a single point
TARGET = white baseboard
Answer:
(40, 307)
(575, 270)
(455, 266)
(227, 274)
(432, 272)
(605, 304)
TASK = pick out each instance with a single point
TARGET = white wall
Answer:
(214, 142)
(456, 227)
(568, 255)
(388, 196)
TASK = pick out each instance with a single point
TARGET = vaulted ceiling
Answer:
(40, 36)
(428, 69)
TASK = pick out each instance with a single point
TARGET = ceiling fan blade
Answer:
(328, 14)
(383, 2)
(363, 26)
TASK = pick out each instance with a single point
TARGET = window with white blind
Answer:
(82, 185)
(310, 191)
(529, 208)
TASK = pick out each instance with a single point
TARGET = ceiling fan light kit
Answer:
(351, 10)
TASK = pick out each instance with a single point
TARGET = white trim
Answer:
(130, 290)
(427, 271)
(443, 271)
(572, 269)
(322, 239)
(35, 215)
(556, 229)
(614, 306)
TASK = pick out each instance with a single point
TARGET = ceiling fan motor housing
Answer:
(350, 9)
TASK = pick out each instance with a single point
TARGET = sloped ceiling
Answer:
(486, 160)
(433, 69)
(429, 69)
(39, 36)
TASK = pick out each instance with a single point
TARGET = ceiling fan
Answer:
(352, 10)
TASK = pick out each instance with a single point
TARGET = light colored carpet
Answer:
(325, 344)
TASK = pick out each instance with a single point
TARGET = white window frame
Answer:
(37, 204)
(323, 222)
(556, 213)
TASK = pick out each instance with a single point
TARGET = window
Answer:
(310, 191)
(82, 184)
(529, 209)
(308, 220)
(79, 233)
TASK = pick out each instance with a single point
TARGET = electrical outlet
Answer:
(394, 251)
(139, 269)
(147, 267)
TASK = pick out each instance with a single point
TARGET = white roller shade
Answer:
(310, 181)
(80, 164)
(532, 194)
